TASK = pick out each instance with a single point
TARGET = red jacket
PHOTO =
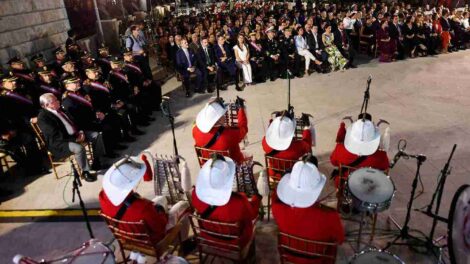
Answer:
(140, 209)
(312, 223)
(228, 140)
(341, 156)
(238, 209)
(297, 149)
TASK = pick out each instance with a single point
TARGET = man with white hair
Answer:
(213, 199)
(63, 137)
(297, 212)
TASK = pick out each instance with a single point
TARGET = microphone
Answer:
(396, 158)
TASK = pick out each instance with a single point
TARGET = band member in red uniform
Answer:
(119, 201)
(279, 141)
(297, 214)
(213, 198)
(358, 147)
(210, 131)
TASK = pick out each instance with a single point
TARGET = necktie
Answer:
(343, 36)
(187, 56)
(62, 114)
(208, 58)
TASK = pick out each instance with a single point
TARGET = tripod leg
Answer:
(374, 222)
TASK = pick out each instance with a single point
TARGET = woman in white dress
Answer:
(242, 55)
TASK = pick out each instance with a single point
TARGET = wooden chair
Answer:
(5, 163)
(292, 247)
(366, 45)
(204, 154)
(214, 232)
(53, 161)
(275, 168)
(135, 236)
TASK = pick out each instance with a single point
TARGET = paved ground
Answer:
(425, 100)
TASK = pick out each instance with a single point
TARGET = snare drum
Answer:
(370, 190)
(375, 256)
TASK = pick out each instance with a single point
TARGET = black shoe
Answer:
(352, 66)
(239, 88)
(89, 177)
(4, 193)
(200, 91)
(137, 132)
(188, 246)
(119, 147)
(129, 138)
(188, 94)
(210, 90)
(111, 155)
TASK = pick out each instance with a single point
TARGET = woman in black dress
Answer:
(409, 33)
(421, 37)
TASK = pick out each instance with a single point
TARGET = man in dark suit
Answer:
(186, 65)
(315, 43)
(206, 63)
(394, 31)
(344, 45)
(225, 60)
(62, 136)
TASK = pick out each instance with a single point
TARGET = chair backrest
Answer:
(278, 167)
(204, 154)
(39, 135)
(213, 236)
(136, 236)
(291, 247)
(231, 116)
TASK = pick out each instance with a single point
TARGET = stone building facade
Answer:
(28, 27)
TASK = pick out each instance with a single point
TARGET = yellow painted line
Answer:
(47, 213)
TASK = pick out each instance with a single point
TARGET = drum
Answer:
(370, 190)
(375, 256)
(459, 226)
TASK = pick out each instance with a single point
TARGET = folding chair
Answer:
(276, 168)
(52, 160)
(5, 163)
(204, 154)
(214, 239)
(294, 249)
(135, 236)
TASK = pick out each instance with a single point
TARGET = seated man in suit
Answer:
(297, 214)
(344, 45)
(62, 136)
(206, 62)
(186, 64)
(225, 61)
(315, 43)
(213, 199)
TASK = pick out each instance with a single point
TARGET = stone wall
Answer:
(28, 27)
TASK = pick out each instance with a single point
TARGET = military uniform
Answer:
(272, 47)
(290, 59)
(258, 62)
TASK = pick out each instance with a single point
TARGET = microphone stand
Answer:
(404, 234)
(437, 197)
(166, 110)
(76, 189)
(365, 103)
(288, 90)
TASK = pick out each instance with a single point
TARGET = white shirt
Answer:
(465, 23)
(349, 23)
(186, 52)
(66, 123)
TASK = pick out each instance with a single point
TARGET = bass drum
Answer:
(375, 256)
(459, 226)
